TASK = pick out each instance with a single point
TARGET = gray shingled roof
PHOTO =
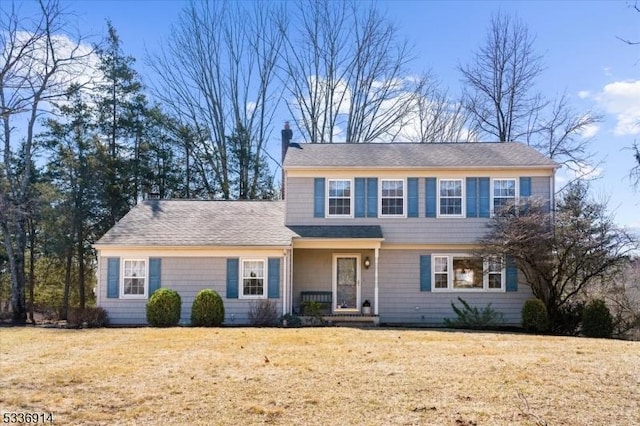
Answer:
(337, 231)
(177, 223)
(416, 155)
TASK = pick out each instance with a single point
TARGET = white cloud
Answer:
(622, 99)
(590, 131)
(584, 94)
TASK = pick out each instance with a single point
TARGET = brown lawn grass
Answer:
(317, 376)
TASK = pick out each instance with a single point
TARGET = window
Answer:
(441, 271)
(134, 279)
(253, 278)
(339, 197)
(494, 272)
(392, 197)
(467, 273)
(504, 193)
(450, 197)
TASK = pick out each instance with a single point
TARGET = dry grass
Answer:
(318, 376)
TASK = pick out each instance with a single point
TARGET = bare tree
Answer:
(500, 81)
(561, 254)
(501, 96)
(436, 118)
(217, 75)
(38, 63)
(346, 72)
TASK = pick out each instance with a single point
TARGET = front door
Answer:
(346, 282)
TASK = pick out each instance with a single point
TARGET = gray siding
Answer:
(401, 300)
(420, 230)
(187, 276)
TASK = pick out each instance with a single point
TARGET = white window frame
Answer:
(351, 197)
(123, 262)
(265, 279)
(462, 197)
(516, 199)
(450, 272)
(404, 197)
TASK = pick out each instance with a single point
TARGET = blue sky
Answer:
(577, 40)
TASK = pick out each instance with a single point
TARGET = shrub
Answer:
(91, 317)
(207, 309)
(534, 316)
(263, 313)
(292, 320)
(568, 318)
(597, 320)
(472, 317)
(163, 308)
(313, 309)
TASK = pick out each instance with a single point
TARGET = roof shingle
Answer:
(177, 223)
(416, 155)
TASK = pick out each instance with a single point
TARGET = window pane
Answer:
(253, 278)
(441, 280)
(339, 197)
(134, 286)
(392, 197)
(495, 280)
(467, 273)
(441, 264)
(451, 197)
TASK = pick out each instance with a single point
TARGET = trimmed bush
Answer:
(207, 309)
(472, 317)
(163, 308)
(534, 316)
(597, 320)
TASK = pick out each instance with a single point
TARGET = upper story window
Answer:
(134, 278)
(253, 278)
(340, 198)
(392, 197)
(504, 193)
(450, 197)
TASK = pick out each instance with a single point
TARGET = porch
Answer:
(334, 270)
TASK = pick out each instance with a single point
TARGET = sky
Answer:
(578, 40)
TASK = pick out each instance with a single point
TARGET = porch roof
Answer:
(338, 232)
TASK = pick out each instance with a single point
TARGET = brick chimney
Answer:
(287, 134)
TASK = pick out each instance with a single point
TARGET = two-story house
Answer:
(394, 224)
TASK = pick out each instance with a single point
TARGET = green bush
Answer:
(474, 318)
(534, 316)
(163, 308)
(597, 320)
(207, 309)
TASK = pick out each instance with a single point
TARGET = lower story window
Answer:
(253, 278)
(459, 272)
(134, 278)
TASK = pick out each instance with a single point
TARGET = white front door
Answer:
(346, 282)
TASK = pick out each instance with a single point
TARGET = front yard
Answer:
(316, 376)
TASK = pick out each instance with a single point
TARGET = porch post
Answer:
(375, 280)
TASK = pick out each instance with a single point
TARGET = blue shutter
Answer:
(372, 197)
(318, 197)
(273, 282)
(232, 278)
(484, 186)
(472, 197)
(113, 276)
(430, 196)
(525, 186)
(154, 274)
(412, 197)
(360, 197)
(511, 274)
(425, 273)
